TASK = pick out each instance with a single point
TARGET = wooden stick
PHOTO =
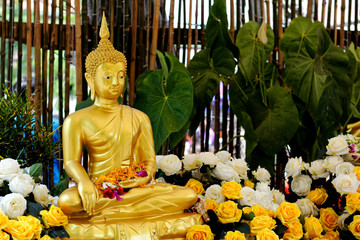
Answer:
(329, 16)
(300, 8)
(37, 60)
(267, 11)
(171, 27)
(309, 9)
(356, 24)
(141, 40)
(256, 15)
(163, 24)
(45, 68)
(51, 60)
(185, 33)
(117, 42)
(342, 23)
(262, 6)
(189, 45)
(202, 32)
(196, 35)
(323, 11)
(3, 24)
(238, 14)
(60, 66)
(276, 30)
(67, 57)
(207, 130)
(112, 17)
(292, 16)
(202, 134)
(316, 10)
(10, 47)
(20, 47)
(154, 35)
(232, 20)
(217, 120)
(78, 52)
(148, 30)
(84, 46)
(179, 33)
(133, 52)
(95, 24)
(335, 23)
(349, 24)
(280, 33)
(126, 28)
(251, 15)
(287, 14)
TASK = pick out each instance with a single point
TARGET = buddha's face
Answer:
(109, 80)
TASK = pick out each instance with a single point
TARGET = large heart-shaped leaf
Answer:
(217, 33)
(167, 101)
(253, 53)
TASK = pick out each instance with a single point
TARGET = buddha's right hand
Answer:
(89, 195)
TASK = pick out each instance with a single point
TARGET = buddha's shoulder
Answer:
(80, 115)
(135, 113)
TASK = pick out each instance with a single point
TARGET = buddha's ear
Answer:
(90, 81)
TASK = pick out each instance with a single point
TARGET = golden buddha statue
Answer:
(116, 136)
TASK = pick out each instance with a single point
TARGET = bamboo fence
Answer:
(55, 50)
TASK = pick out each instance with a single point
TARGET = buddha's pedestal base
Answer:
(165, 227)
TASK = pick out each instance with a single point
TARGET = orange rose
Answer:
(357, 172)
(4, 235)
(46, 237)
(228, 212)
(328, 218)
(259, 210)
(54, 217)
(197, 232)
(352, 202)
(248, 183)
(295, 230)
(261, 222)
(35, 224)
(354, 226)
(288, 212)
(211, 204)
(332, 235)
(19, 230)
(267, 234)
(318, 196)
(196, 186)
(312, 227)
(4, 220)
(234, 235)
(231, 190)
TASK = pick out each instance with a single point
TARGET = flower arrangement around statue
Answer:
(27, 210)
(322, 200)
(109, 185)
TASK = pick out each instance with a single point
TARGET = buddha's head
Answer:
(105, 67)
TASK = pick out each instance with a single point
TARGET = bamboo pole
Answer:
(60, 69)
(276, 30)
(84, 47)
(329, 16)
(202, 32)
(217, 120)
(238, 14)
(207, 126)
(309, 9)
(256, 15)
(179, 32)
(335, 23)
(300, 8)
(78, 52)
(10, 47)
(287, 14)
(133, 52)
(95, 24)
(323, 11)
(20, 47)
(202, 134)
(67, 57)
(189, 34)
(51, 60)
(171, 27)
(316, 17)
(251, 15)
(342, 23)
(185, 34)
(232, 20)
(45, 66)
(267, 11)
(349, 23)
(126, 27)
(112, 17)
(356, 23)
(148, 30)
(280, 32)
(3, 24)
(154, 35)
(262, 6)
(37, 44)
(163, 24)
(141, 46)
(117, 34)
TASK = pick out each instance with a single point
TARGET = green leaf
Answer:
(243, 227)
(36, 170)
(217, 34)
(249, 216)
(252, 51)
(62, 185)
(168, 102)
(163, 62)
(34, 209)
(174, 63)
(58, 232)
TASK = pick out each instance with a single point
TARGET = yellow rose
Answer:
(211, 204)
(352, 202)
(54, 217)
(19, 230)
(4, 220)
(46, 237)
(288, 212)
(231, 190)
(197, 232)
(288, 236)
(248, 183)
(228, 212)
(312, 227)
(357, 172)
(4, 235)
(196, 186)
(328, 218)
(35, 224)
(261, 222)
(230, 235)
(259, 210)
(246, 210)
(332, 235)
(267, 234)
(318, 196)
(295, 230)
(354, 226)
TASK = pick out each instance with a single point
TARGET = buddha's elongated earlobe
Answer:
(90, 82)
(92, 92)
(121, 96)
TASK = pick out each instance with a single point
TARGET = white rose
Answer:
(344, 168)
(214, 192)
(208, 158)
(307, 207)
(196, 174)
(223, 172)
(41, 195)
(170, 164)
(240, 166)
(346, 183)
(341, 220)
(54, 200)
(262, 174)
(263, 187)
(317, 169)
(9, 168)
(264, 199)
(294, 167)
(191, 161)
(249, 197)
(158, 159)
(301, 185)
(337, 146)
(223, 156)
(23, 184)
(13, 205)
(160, 180)
(278, 197)
(331, 162)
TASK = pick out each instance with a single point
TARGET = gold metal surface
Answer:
(115, 136)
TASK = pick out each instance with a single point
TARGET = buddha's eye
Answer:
(121, 77)
(107, 77)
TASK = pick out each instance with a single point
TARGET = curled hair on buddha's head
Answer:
(104, 53)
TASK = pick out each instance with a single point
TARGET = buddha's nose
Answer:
(115, 81)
